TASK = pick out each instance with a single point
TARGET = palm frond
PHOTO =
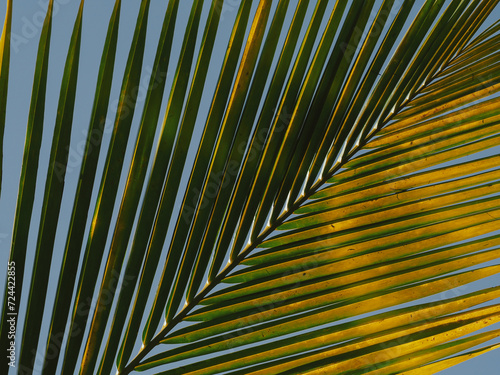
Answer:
(324, 173)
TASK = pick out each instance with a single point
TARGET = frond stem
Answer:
(241, 256)
(208, 288)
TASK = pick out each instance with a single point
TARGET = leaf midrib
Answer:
(268, 231)
(241, 256)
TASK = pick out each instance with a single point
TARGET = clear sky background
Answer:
(27, 19)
